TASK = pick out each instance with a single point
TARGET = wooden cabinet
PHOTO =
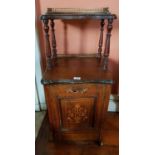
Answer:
(77, 107)
(76, 111)
(77, 88)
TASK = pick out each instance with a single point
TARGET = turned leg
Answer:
(107, 45)
(54, 50)
(48, 48)
(101, 39)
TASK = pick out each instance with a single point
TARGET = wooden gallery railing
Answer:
(70, 14)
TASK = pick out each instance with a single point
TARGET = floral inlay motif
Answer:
(77, 114)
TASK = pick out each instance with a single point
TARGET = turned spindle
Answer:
(48, 48)
(54, 50)
(107, 45)
(101, 39)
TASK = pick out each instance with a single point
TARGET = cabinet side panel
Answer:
(105, 99)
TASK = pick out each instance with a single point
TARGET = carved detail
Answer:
(54, 50)
(107, 44)
(48, 48)
(77, 114)
(101, 39)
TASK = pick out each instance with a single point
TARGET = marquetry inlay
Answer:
(77, 114)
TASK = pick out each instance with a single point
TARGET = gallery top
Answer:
(78, 13)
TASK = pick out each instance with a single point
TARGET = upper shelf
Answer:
(77, 13)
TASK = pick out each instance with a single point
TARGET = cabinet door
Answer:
(76, 111)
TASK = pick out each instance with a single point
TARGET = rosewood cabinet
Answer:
(77, 88)
(77, 110)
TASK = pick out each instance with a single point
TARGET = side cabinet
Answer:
(77, 87)
(76, 111)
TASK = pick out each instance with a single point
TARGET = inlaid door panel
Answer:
(77, 113)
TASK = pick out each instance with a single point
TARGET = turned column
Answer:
(101, 39)
(54, 50)
(48, 48)
(107, 44)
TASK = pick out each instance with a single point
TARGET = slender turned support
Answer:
(101, 39)
(107, 44)
(54, 50)
(48, 48)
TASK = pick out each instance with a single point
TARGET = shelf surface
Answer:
(77, 70)
(78, 13)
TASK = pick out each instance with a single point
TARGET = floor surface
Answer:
(44, 144)
(39, 116)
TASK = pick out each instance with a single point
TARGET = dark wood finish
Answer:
(69, 67)
(107, 44)
(101, 39)
(77, 89)
(78, 17)
(70, 14)
(77, 114)
(78, 14)
(77, 106)
(54, 50)
(48, 48)
(46, 146)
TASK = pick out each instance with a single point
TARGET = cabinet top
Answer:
(76, 70)
(78, 13)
